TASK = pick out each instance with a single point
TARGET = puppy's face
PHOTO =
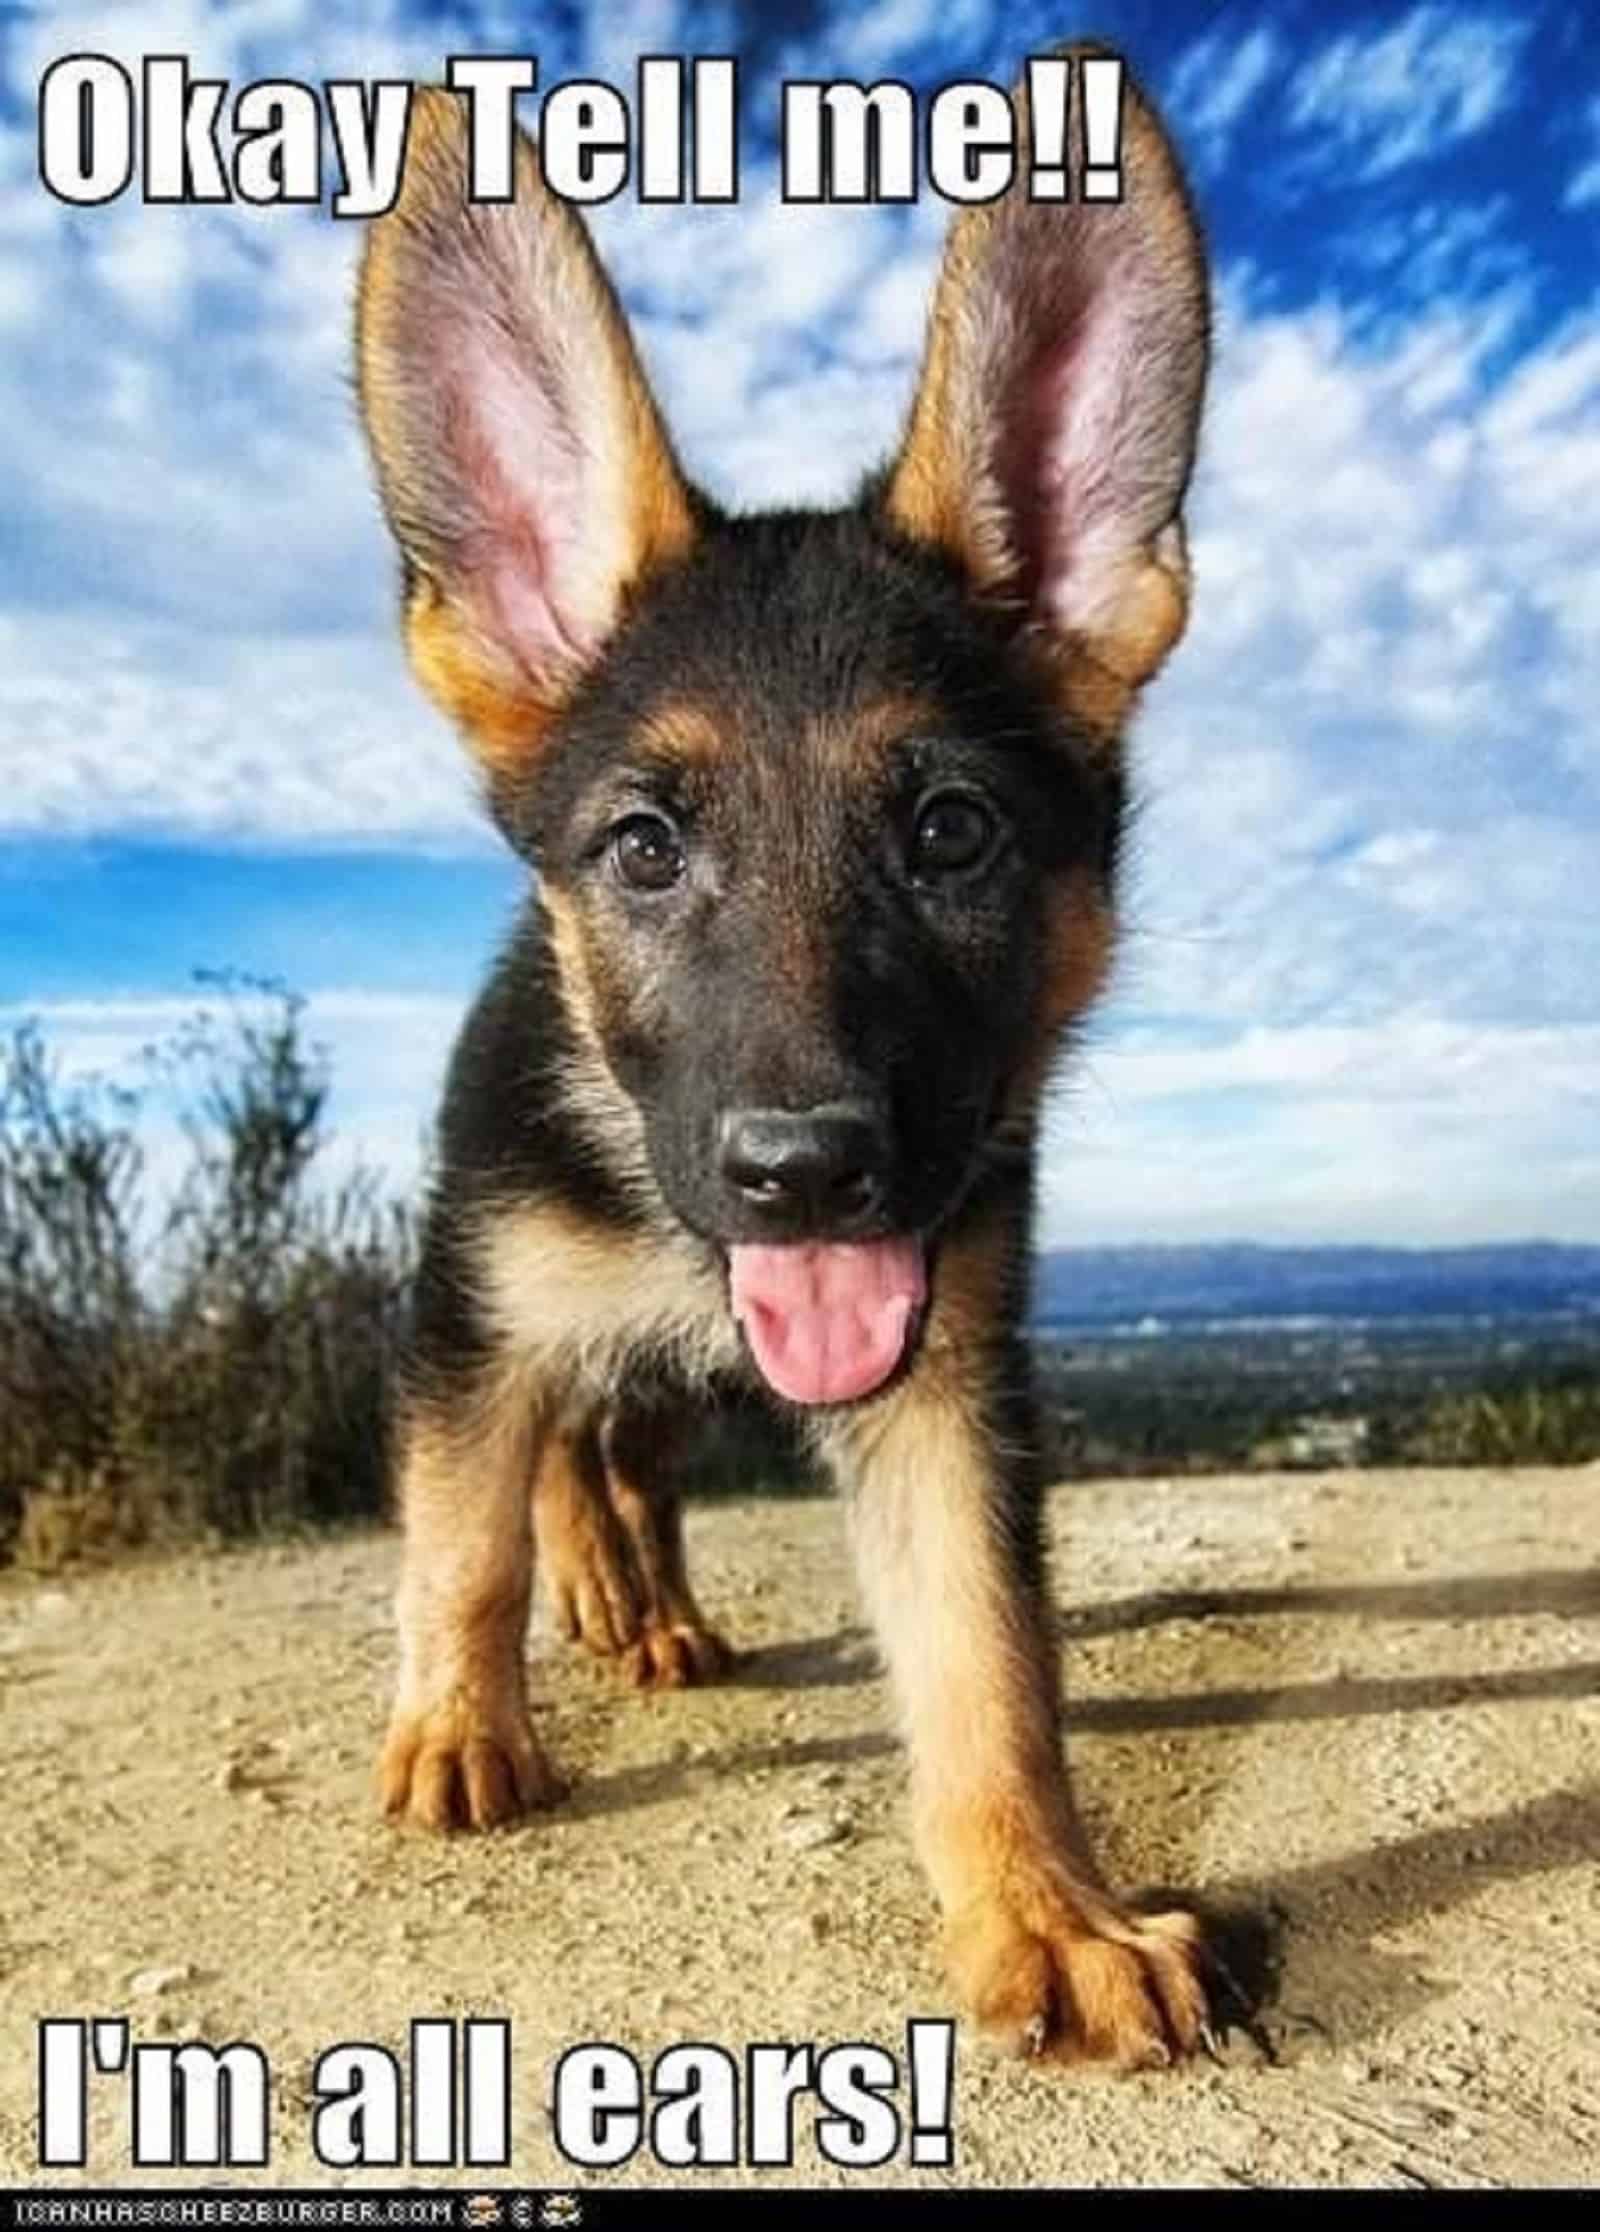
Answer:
(813, 840)
(824, 806)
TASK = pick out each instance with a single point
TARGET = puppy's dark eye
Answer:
(955, 833)
(647, 853)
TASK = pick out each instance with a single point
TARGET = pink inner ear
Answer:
(1067, 467)
(526, 492)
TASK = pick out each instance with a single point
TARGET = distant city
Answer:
(1170, 1358)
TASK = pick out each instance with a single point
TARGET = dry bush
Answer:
(213, 1363)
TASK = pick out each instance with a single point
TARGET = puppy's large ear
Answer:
(522, 463)
(1052, 435)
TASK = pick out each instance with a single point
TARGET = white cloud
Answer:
(870, 42)
(1420, 253)
(1393, 633)
(1380, 100)
(146, 728)
(1216, 83)
(1365, 863)
(759, 321)
(1583, 187)
(206, 645)
(1360, 994)
(107, 1037)
(1409, 1130)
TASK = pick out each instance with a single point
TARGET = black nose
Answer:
(805, 1170)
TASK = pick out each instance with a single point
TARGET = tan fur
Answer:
(543, 1459)
(585, 1561)
(1080, 941)
(684, 733)
(572, 1303)
(698, 735)
(604, 1111)
(610, 1543)
(874, 728)
(1081, 933)
(460, 1746)
(676, 1646)
(1040, 1950)
(1097, 683)
(502, 714)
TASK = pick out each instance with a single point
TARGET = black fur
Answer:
(775, 624)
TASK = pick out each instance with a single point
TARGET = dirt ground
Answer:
(1363, 1708)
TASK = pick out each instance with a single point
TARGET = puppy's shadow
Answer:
(1290, 1953)
(1314, 1927)
(1565, 1591)
(837, 1661)
(1245, 1950)
(625, 1789)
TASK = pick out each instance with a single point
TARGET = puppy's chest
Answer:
(571, 1299)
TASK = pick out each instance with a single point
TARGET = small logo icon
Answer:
(483, 2209)
(560, 2210)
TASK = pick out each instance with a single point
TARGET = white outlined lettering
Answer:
(696, 2125)
(371, 124)
(714, 107)
(279, 152)
(1049, 94)
(676, 138)
(863, 2129)
(86, 110)
(583, 141)
(844, 142)
(198, 2106)
(972, 143)
(182, 161)
(598, 2106)
(931, 2054)
(63, 2105)
(355, 2124)
(491, 83)
(1102, 129)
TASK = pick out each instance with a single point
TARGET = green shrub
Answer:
(1554, 1424)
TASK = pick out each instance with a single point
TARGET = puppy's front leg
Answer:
(461, 1751)
(946, 1527)
(608, 1527)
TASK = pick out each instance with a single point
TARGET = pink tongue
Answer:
(828, 1320)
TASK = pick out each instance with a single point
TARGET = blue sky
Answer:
(1360, 991)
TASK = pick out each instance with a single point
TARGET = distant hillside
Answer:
(1180, 1285)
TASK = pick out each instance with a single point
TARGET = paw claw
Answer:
(1053, 1985)
(598, 1598)
(675, 1655)
(449, 1769)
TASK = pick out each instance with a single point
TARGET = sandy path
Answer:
(1367, 1704)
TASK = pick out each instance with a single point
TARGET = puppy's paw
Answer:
(590, 1579)
(458, 1766)
(675, 1654)
(1050, 1982)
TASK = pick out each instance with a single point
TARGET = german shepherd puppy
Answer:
(824, 810)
